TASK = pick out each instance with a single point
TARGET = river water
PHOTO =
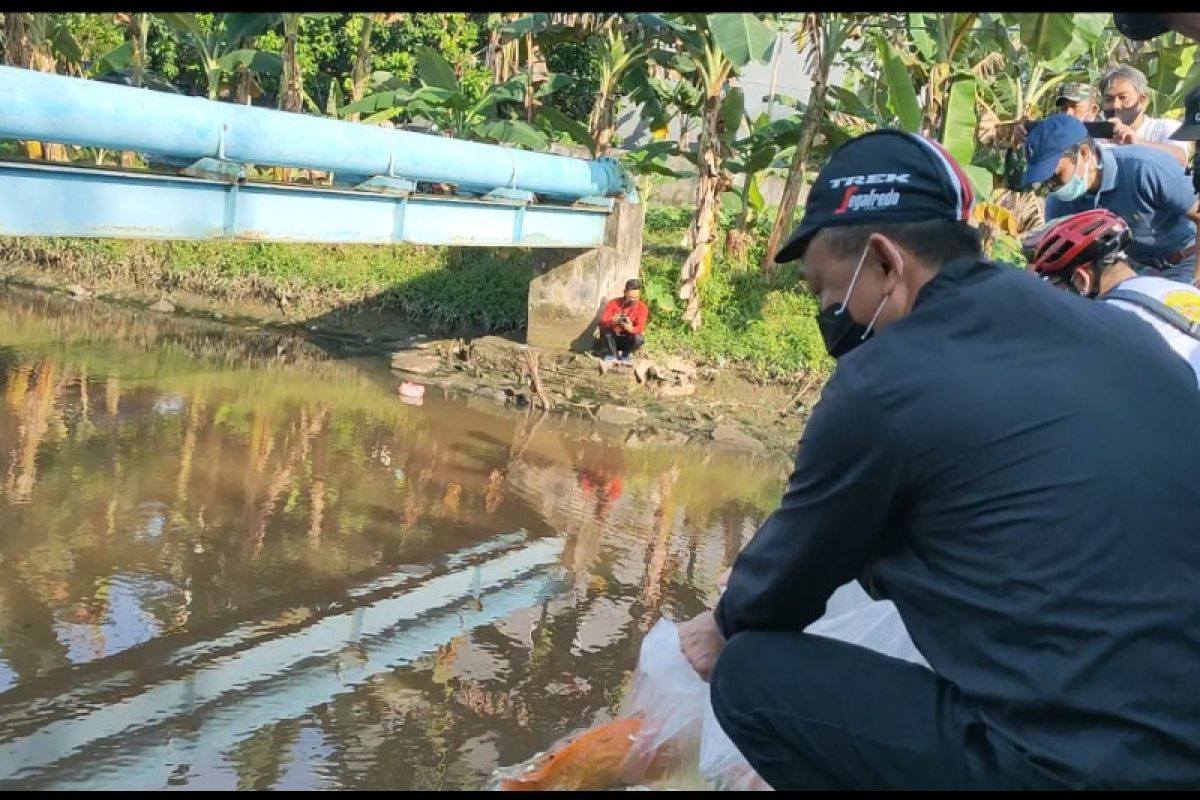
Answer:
(236, 559)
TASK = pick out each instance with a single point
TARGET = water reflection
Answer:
(229, 561)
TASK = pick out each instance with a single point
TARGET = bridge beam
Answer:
(55, 200)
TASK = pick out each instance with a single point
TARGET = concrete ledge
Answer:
(572, 286)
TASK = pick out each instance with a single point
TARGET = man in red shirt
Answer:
(623, 321)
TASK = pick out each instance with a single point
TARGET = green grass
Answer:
(763, 322)
(480, 289)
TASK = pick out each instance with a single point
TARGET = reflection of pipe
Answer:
(276, 680)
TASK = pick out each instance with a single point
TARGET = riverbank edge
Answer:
(659, 394)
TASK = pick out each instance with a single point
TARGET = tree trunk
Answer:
(138, 32)
(738, 238)
(600, 126)
(529, 77)
(242, 95)
(362, 64)
(495, 56)
(290, 98)
(711, 181)
(17, 50)
(35, 55)
(795, 178)
(214, 83)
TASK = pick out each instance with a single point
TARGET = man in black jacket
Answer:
(1016, 469)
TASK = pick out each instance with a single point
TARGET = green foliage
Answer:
(96, 35)
(580, 61)
(902, 95)
(660, 219)
(443, 99)
(766, 322)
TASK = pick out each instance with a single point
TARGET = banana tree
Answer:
(710, 50)
(361, 73)
(291, 84)
(755, 156)
(445, 100)
(222, 47)
(1049, 49)
(40, 41)
(1171, 70)
(502, 58)
(617, 58)
(621, 54)
(290, 97)
(824, 35)
(648, 163)
(130, 55)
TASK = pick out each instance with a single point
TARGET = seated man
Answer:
(1014, 469)
(1086, 254)
(623, 322)
(1143, 186)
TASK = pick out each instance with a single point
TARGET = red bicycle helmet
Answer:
(1080, 240)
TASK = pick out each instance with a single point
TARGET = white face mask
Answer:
(1077, 186)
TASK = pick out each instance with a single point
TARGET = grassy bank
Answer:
(750, 319)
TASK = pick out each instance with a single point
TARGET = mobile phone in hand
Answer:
(1100, 130)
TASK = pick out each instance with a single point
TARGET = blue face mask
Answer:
(1074, 188)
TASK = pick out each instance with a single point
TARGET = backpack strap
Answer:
(1158, 308)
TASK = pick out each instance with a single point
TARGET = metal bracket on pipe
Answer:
(597, 202)
(380, 184)
(628, 185)
(512, 196)
(216, 169)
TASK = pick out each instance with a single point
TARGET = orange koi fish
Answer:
(598, 758)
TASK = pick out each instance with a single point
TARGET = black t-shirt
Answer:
(1018, 469)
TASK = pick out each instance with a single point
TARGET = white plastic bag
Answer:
(679, 740)
(852, 616)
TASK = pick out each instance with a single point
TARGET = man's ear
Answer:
(891, 260)
(1083, 281)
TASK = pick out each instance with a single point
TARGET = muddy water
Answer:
(232, 559)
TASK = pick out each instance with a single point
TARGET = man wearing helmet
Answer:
(1085, 252)
(1144, 186)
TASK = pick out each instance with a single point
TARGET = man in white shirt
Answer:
(1085, 253)
(1124, 95)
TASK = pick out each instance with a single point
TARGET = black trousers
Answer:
(618, 343)
(810, 712)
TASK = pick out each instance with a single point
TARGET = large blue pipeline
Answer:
(54, 108)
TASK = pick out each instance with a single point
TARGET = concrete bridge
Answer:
(582, 216)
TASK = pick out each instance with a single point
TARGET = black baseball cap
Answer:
(1189, 131)
(1140, 27)
(885, 176)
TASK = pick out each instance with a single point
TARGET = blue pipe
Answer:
(54, 108)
